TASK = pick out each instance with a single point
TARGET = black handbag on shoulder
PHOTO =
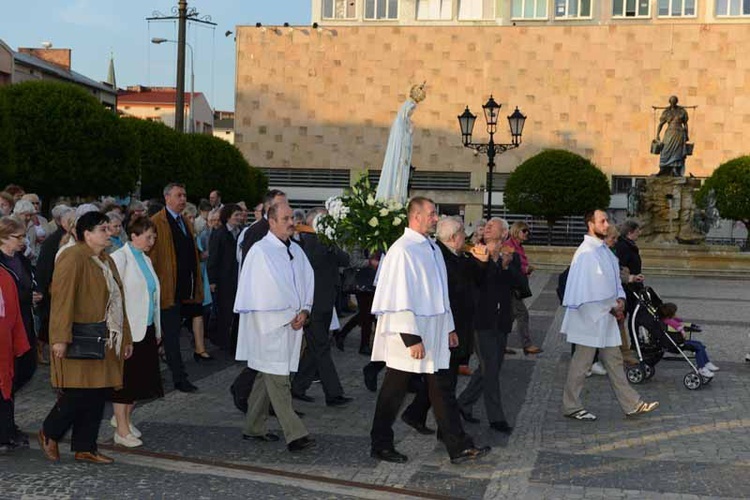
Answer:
(89, 341)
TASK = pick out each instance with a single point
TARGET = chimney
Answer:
(58, 57)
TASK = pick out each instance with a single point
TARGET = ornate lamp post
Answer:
(491, 110)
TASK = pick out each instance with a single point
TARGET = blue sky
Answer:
(94, 28)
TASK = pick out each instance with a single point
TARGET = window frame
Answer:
(624, 15)
(672, 16)
(381, 19)
(334, 18)
(470, 19)
(728, 15)
(443, 3)
(578, 17)
(524, 18)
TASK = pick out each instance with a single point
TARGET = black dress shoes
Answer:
(371, 378)
(417, 426)
(185, 386)
(303, 397)
(468, 417)
(470, 454)
(501, 426)
(300, 444)
(389, 456)
(338, 341)
(268, 438)
(339, 401)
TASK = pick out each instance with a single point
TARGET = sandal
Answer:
(582, 415)
(643, 407)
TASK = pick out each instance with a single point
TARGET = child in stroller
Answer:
(677, 330)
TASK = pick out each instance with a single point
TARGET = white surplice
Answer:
(411, 296)
(591, 292)
(272, 290)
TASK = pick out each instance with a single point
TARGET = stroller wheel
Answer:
(693, 381)
(649, 370)
(635, 374)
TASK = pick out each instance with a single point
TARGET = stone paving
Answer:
(695, 445)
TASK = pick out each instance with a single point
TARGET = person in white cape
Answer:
(594, 299)
(274, 298)
(414, 333)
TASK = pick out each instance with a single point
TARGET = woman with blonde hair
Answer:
(519, 233)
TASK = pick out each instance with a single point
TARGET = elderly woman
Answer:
(87, 297)
(142, 378)
(116, 233)
(6, 203)
(24, 211)
(13, 344)
(199, 320)
(12, 238)
(519, 233)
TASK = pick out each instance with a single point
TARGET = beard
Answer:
(601, 236)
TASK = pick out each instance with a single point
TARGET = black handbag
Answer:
(89, 341)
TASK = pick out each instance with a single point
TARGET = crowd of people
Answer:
(102, 292)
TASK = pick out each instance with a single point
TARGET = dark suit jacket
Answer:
(222, 267)
(325, 261)
(253, 235)
(493, 306)
(45, 266)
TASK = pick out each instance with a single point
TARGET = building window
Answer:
(630, 8)
(339, 9)
(677, 8)
(381, 9)
(733, 7)
(470, 9)
(434, 9)
(574, 8)
(529, 9)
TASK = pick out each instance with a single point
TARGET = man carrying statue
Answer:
(674, 149)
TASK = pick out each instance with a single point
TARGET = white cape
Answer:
(591, 291)
(271, 291)
(411, 296)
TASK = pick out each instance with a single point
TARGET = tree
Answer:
(729, 187)
(62, 141)
(556, 183)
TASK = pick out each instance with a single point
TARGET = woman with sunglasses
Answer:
(519, 233)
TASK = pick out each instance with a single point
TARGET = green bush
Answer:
(730, 185)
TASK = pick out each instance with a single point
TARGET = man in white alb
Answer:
(274, 298)
(414, 333)
(593, 301)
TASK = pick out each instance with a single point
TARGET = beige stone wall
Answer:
(326, 100)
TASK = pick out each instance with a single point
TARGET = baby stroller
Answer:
(651, 341)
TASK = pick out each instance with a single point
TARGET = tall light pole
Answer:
(491, 113)
(191, 117)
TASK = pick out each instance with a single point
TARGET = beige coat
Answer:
(79, 295)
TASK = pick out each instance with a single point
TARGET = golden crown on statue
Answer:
(418, 93)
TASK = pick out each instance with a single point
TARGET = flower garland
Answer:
(358, 219)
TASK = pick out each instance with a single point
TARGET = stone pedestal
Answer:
(667, 211)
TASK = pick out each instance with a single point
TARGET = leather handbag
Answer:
(89, 341)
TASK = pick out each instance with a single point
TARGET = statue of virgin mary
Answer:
(394, 177)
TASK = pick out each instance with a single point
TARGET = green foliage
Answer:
(556, 183)
(61, 141)
(730, 185)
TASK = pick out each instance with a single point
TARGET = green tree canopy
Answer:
(730, 185)
(556, 183)
(59, 140)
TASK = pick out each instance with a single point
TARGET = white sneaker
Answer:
(712, 367)
(705, 372)
(747, 357)
(129, 441)
(133, 430)
(598, 369)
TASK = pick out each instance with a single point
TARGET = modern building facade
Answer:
(317, 102)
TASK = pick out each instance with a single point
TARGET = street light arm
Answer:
(484, 148)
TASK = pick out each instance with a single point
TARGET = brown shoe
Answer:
(532, 349)
(94, 457)
(48, 446)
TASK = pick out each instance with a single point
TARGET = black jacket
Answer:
(628, 254)
(222, 266)
(26, 285)
(463, 273)
(493, 309)
(253, 235)
(45, 266)
(325, 261)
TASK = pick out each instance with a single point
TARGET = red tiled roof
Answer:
(159, 97)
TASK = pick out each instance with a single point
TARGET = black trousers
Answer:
(81, 409)
(420, 406)
(171, 325)
(7, 421)
(392, 393)
(490, 349)
(227, 322)
(25, 367)
(317, 359)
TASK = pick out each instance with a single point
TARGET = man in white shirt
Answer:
(593, 301)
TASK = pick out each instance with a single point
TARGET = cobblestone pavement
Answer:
(695, 445)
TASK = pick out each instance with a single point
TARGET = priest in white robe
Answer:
(414, 334)
(594, 299)
(274, 298)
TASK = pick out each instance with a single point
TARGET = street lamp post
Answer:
(491, 110)
(191, 116)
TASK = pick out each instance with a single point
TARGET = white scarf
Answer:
(114, 313)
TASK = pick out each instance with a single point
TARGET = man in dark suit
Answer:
(259, 229)
(325, 261)
(223, 272)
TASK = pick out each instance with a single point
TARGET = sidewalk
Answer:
(696, 443)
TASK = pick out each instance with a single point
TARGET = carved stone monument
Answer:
(668, 211)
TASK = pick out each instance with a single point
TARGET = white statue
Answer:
(394, 177)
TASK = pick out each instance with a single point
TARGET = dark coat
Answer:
(325, 261)
(463, 273)
(628, 254)
(26, 285)
(253, 235)
(493, 306)
(45, 266)
(222, 266)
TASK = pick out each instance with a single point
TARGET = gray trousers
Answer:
(274, 390)
(521, 317)
(611, 358)
(490, 350)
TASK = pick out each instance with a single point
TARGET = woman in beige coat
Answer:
(86, 288)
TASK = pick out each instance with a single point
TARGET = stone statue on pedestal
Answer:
(675, 147)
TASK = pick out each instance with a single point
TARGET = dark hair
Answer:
(270, 195)
(140, 225)
(154, 207)
(227, 211)
(14, 189)
(204, 205)
(88, 221)
(218, 193)
(416, 203)
(667, 310)
(588, 216)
